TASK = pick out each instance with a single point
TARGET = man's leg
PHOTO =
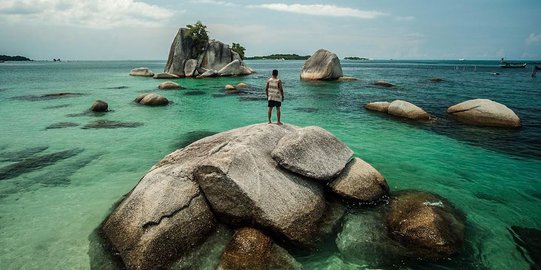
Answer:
(270, 114)
(278, 114)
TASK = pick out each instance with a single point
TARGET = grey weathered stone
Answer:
(426, 223)
(190, 68)
(252, 249)
(381, 106)
(229, 87)
(405, 109)
(347, 79)
(322, 65)
(99, 106)
(241, 85)
(484, 112)
(217, 55)
(181, 50)
(165, 76)
(312, 152)
(360, 181)
(231, 69)
(208, 74)
(142, 71)
(169, 85)
(243, 185)
(152, 99)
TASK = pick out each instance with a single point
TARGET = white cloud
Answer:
(322, 10)
(533, 38)
(404, 18)
(215, 2)
(98, 14)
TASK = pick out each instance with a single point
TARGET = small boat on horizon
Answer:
(505, 64)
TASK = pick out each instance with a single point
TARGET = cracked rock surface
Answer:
(484, 112)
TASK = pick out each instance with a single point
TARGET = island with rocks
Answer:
(4, 58)
(279, 56)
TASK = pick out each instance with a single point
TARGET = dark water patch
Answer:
(33, 163)
(16, 156)
(219, 95)
(194, 93)
(108, 124)
(48, 96)
(528, 242)
(57, 106)
(192, 136)
(490, 197)
(117, 87)
(253, 98)
(62, 125)
(306, 110)
(61, 177)
(3, 89)
(88, 113)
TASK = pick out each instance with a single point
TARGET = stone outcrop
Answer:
(383, 84)
(152, 99)
(241, 85)
(169, 85)
(361, 182)
(484, 112)
(408, 110)
(312, 152)
(229, 87)
(142, 71)
(165, 76)
(252, 249)
(427, 223)
(99, 106)
(322, 65)
(381, 106)
(185, 60)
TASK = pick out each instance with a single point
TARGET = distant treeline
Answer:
(14, 58)
(355, 58)
(279, 57)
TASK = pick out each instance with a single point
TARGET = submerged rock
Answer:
(14, 156)
(48, 96)
(322, 65)
(99, 106)
(426, 223)
(141, 71)
(436, 80)
(35, 162)
(62, 125)
(383, 84)
(108, 124)
(360, 181)
(347, 79)
(312, 152)
(382, 106)
(251, 249)
(152, 99)
(484, 112)
(408, 110)
(528, 241)
(169, 85)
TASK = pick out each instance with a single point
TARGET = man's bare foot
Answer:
(280, 123)
(269, 123)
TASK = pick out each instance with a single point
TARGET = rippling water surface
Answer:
(59, 177)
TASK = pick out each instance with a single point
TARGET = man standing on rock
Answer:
(275, 95)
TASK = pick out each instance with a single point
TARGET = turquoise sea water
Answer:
(58, 184)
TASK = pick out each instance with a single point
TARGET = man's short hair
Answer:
(275, 72)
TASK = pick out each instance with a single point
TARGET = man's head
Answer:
(275, 73)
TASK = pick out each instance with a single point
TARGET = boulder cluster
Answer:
(479, 112)
(269, 183)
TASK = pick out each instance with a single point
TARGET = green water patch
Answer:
(109, 124)
(528, 241)
(194, 93)
(48, 96)
(306, 109)
(57, 106)
(19, 155)
(192, 136)
(35, 162)
(62, 125)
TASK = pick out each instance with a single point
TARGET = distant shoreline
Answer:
(14, 58)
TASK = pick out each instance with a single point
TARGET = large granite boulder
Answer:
(252, 249)
(361, 182)
(484, 112)
(380, 106)
(408, 110)
(186, 60)
(322, 65)
(312, 152)
(142, 71)
(243, 185)
(99, 106)
(426, 223)
(152, 99)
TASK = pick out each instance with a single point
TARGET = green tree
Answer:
(198, 32)
(236, 47)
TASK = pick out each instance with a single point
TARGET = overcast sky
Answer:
(382, 29)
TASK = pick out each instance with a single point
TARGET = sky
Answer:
(376, 29)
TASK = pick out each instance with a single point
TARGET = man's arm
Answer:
(281, 89)
(267, 90)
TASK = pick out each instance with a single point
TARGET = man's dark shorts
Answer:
(273, 103)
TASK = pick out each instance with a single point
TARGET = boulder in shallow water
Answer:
(208, 73)
(312, 152)
(142, 71)
(484, 112)
(251, 249)
(383, 84)
(426, 223)
(322, 65)
(99, 106)
(408, 110)
(165, 75)
(241, 85)
(169, 85)
(361, 182)
(381, 106)
(229, 87)
(190, 68)
(152, 100)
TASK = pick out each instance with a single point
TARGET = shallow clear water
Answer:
(50, 205)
